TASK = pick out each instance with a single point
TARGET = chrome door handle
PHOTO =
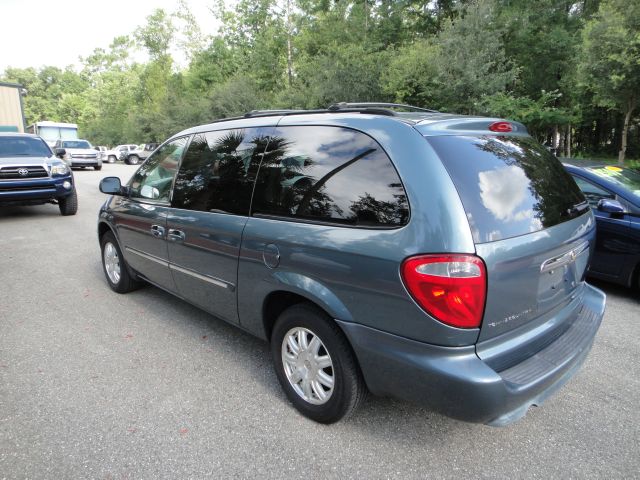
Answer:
(176, 235)
(157, 231)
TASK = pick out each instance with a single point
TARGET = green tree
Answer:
(472, 62)
(412, 76)
(610, 66)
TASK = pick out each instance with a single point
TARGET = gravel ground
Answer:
(99, 385)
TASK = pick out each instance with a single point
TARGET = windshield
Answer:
(52, 133)
(76, 144)
(67, 133)
(23, 147)
(628, 179)
(509, 185)
(49, 133)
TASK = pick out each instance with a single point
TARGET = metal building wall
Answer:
(11, 116)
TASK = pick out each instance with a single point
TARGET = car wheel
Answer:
(112, 159)
(315, 364)
(98, 167)
(133, 160)
(69, 205)
(114, 266)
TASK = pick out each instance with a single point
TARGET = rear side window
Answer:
(509, 186)
(329, 174)
(218, 171)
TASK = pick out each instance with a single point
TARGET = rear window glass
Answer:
(509, 186)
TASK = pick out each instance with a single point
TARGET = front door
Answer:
(141, 217)
(614, 242)
(210, 207)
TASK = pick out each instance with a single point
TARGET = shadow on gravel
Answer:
(389, 418)
(617, 290)
(48, 210)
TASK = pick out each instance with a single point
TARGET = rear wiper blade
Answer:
(577, 208)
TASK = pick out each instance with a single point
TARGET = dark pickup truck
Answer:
(31, 175)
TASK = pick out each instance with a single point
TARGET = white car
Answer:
(118, 153)
(78, 153)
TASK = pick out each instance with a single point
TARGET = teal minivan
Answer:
(379, 248)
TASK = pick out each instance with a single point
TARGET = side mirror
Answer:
(607, 205)
(147, 191)
(111, 185)
(60, 152)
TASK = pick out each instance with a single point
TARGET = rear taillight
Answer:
(451, 288)
(501, 127)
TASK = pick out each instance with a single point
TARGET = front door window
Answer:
(154, 178)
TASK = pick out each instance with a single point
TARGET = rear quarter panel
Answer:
(354, 273)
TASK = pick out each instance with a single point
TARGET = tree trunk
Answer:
(625, 131)
(569, 141)
(289, 55)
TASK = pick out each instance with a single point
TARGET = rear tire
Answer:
(315, 364)
(112, 159)
(133, 160)
(115, 267)
(69, 205)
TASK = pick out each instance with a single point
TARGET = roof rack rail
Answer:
(376, 108)
(267, 113)
(368, 109)
(377, 105)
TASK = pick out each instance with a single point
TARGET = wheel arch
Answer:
(276, 303)
(290, 293)
(104, 227)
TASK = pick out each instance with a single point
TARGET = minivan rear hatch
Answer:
(530, 223)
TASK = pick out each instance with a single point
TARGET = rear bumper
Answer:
(41, 189)
(457, 383)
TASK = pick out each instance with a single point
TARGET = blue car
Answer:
(613, 194)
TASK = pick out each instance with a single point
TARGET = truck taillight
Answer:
(451, 288)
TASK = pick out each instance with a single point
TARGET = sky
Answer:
(34, 33)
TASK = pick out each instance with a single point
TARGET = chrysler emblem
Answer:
(23, 172)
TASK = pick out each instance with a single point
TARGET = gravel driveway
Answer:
(99, 385)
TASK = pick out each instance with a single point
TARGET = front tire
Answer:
(115, 267)
(69, 205)
(98, 167)
(112, 159)
(315, 364)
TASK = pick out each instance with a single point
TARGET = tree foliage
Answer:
(568, 69)
(611, 60)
